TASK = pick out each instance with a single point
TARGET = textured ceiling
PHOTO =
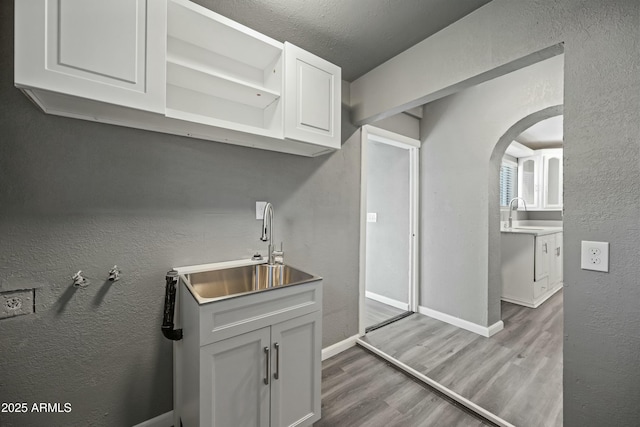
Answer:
(545, 134)
(357, 35)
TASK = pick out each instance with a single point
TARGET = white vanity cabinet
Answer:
(176, 67)
(253, 360)
(531, 267)
(540, 180)
(112, 52)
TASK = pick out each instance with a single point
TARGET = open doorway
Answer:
(388, 227)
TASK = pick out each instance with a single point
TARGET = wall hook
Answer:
(79, 280)
(114, 274)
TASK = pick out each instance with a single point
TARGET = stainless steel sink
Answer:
(235, 281)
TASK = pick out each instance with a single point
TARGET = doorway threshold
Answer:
(477, 410)
(388, 321)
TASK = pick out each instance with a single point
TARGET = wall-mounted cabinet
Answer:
(176, 67)
(111, 52)
(540, 180)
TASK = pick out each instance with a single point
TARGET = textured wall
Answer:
(79, 195)
(460, 133)
(601, 166)
(388, 239)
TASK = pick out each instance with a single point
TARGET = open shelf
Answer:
(212, 83)
(220, 73)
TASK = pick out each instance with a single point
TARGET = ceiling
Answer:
(357, 35)
(545, 134)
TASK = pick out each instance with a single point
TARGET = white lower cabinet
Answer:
(531, 267)
(268, 377)
(251, 361)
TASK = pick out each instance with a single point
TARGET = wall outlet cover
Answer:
(16, 303)
(595, 256)
(372, 217)
(260, 209)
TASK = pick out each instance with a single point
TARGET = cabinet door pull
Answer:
(266, 358)
(276, 374)
(545, 248)
(558, 251)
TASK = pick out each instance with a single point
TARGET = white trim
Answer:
(406, 143)
(485, 331)
(339, 347)
(164, 420)
(436, 385)
(391, 138)
(386, 300)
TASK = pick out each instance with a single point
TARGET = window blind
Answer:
(508, 179)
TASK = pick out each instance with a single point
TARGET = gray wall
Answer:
(460, 133)
(387, 253)
(80, 195)
(601, 166)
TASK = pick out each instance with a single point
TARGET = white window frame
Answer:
(515, 181)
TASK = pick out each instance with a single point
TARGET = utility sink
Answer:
(213, 285)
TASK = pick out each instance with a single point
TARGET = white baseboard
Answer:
(164, 420)
(485, 331)
(388, 301)
(436, 385)
(339, 347)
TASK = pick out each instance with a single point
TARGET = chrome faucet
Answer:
(267, 236)
(511, 209)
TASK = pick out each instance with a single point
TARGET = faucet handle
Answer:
(279, 255)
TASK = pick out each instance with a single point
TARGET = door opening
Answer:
(388, 242)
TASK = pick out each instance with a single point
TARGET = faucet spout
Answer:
(511, 209)
(267, 236)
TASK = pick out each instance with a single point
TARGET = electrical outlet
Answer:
(260, 209)
(372, 217)
(595, 256)
(15, 303)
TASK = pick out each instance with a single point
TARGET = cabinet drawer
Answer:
(540, 287)
(224, 319)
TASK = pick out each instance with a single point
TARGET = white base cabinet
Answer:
(253, 360)
(531, 267)
(173, 66)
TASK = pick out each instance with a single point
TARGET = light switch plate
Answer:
(260, 209)
(595, 256)
(372, 217)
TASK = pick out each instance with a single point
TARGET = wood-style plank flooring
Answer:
(376, 312)
(516, 374)
(359, 389)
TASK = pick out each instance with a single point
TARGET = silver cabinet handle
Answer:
(276, 374)
(558, 251)
(266, 359)
(545, 248)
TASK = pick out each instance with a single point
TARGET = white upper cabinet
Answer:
(528, 181)
(540, 180)
(313, 98)
(552, 190)
(111, 51)
(176, 67)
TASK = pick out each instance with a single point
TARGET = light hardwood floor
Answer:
(516, 374)
(359, 389)
(376, 312)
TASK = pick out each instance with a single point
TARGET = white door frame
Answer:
(413, 145)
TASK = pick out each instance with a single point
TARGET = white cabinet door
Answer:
(542, 251)
(295, 391)
(528, 181)
(235, 380)
(552, 179)
(109, 51)
(312, 98)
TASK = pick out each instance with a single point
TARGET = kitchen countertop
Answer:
(533, 230)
